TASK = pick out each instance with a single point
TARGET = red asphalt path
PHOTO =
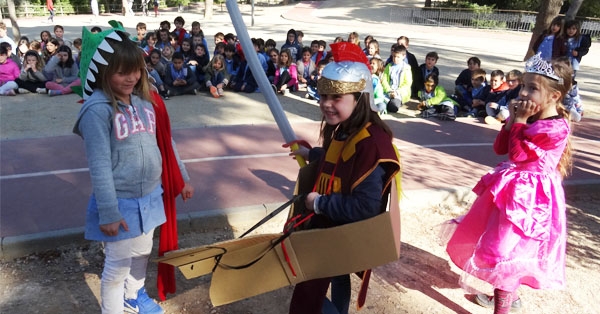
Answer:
(44, 182)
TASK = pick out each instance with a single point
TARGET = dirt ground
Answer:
(67, 279)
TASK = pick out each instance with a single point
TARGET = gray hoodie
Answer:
(122, 152)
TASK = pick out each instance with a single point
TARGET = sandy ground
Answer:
(67, 280)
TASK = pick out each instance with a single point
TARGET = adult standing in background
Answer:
(50, 7)
(129, 9)
(94, 5)
(156, 3)
(145, 7)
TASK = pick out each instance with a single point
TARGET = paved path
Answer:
(231, 146)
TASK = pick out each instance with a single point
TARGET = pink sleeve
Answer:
(276, 79)
(530, 142)
(501, 142)
(293, 76)
(16, 71)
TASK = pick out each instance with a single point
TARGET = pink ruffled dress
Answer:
(515, 231)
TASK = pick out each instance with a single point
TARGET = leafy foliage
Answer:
(589, 8)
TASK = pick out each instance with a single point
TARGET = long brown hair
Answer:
(126, 58)
(562, 68)
(360, 117)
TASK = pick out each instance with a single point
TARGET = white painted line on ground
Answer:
(255, 156)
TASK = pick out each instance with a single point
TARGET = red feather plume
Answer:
(346, 51)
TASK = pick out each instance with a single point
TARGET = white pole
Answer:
(260, 75)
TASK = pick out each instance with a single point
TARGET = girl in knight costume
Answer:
(515, 232)
(356, 166)
(129, 150)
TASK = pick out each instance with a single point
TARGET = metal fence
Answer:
(29, 10)
(468, 18)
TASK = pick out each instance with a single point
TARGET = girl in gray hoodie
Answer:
(118, 125)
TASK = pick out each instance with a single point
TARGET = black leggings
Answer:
(29, 85)
(284, 78)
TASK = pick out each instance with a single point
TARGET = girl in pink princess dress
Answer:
(515, 232)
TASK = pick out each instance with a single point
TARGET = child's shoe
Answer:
(54, 92)
(428, 113)
(220, 91)
(274, 89)
(447, 116)
(214, 92)
(23, 91)
(143, 304)
(285, 92)
(492, 120)
(41, 90)
(164, 94)
(487, 301)
(10, 92)
(195, 92)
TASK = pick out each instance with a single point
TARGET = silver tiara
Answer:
(540, 66)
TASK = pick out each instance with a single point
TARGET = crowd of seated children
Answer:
(399, 78)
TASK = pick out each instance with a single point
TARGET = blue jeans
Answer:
(340, 296)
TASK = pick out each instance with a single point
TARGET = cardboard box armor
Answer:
(249, 266)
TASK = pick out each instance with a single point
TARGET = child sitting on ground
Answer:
(167, 55)
(312, 92)
(65, 72)
(397, 80)
(179, 79)
(434, 101)
(216, 76)
(198, 61)
(155, 79)
(463, 81)
(305, 67)
(472, 102)
(378, 95)
(9, 72)
(286, 74)
(232, 60)
(572, 103)
(428, 67)
(499, 112)
(32, 78)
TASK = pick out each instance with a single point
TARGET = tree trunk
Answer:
(124, 9)
(573, 9)
(12, 14)
(208, 9)
(548, 10)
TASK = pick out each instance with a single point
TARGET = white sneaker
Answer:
(41, 91)
(23, 91)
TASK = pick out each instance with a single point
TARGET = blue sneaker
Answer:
(143, 304)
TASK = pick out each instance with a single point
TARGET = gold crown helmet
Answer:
(350, 72)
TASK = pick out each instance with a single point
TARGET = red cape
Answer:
(173, 183)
